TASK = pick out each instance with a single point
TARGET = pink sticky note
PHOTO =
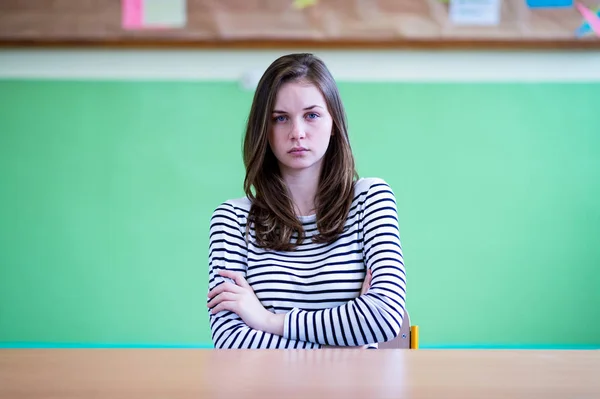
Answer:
(132, 14)
(592, 19)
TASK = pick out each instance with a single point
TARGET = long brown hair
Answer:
(272, 212)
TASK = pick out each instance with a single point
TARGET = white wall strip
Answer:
(376, 65)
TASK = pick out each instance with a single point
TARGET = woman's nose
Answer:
(298, 131)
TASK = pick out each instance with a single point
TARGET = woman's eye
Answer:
(280, 118)
(312, 115)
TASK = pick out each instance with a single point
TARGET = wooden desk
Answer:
(306, 374)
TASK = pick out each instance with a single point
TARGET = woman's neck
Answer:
(302, 186)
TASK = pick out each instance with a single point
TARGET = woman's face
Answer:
(300, 129)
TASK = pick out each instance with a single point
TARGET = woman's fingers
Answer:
(367, 283)
(224, 287)
(235, 276)
(222, 297)
(225, 305)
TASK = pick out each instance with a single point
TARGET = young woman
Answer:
(311, 256)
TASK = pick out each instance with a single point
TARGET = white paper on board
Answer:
(165, 13)
(475, 12)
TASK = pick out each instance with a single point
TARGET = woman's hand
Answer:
(240, 299)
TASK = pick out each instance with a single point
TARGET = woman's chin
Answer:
(299, 165)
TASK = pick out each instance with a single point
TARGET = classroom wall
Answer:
(112, 162)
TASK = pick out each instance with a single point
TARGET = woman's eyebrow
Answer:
(276, 111)
(312, 106)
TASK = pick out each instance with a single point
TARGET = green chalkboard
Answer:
(107, 188)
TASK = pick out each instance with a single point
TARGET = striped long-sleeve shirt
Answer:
(317, 286)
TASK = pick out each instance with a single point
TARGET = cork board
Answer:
(258, 23)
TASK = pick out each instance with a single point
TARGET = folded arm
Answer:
(377, 315)
(228, 251)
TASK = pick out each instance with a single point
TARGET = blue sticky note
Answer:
(549, 3)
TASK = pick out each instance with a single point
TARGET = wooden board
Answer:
(258, 23)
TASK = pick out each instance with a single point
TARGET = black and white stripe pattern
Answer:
(317, 286)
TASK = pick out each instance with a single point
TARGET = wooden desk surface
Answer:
(306, 374)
